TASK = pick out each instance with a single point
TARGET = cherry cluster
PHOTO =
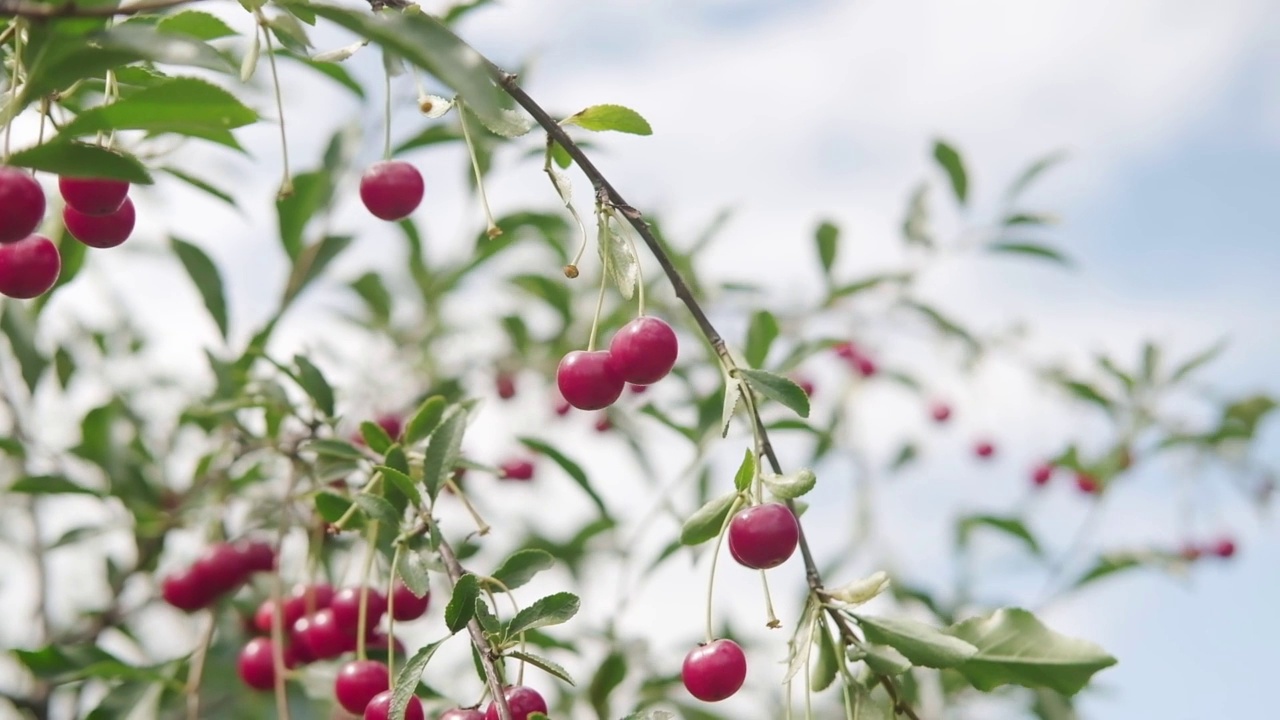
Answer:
(98, 213)
(641, 353)
(221, 569)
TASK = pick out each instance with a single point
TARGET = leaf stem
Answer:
(286, 185)
(493, 230)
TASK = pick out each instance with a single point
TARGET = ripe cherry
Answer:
(516, 470)
(100, 231)
(941, 412)
(391, 189)
(1042, 474)
(256, 664)
(523, 701)
(346, 608)
(1224, 548)
(1087, 483)
(714, 671)
(589, 380)
(462, 714)
(93, 196)
(379, 708)
(221, 568)
(984, 449)
(28, 267)
(637, 389)
(505, 384)
(300, 640)
(257, 555)
(324, 637)
(358, 682)
(185, 591)
(763, 536)
(604, 423)
(644, 350)
(407, 606)
(21, 205)
(563, 407)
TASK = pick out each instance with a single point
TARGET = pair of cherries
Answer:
(641, 353)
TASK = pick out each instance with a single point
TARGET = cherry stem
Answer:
(277, 607)
(482, 527)
(386, 108)
(286, 185)
(391, 612)
(715, 557)
(493, 230)
(192, 688)
(363, 621)
(773, 622)
(568, 203)
(604, 281)
(13, 84)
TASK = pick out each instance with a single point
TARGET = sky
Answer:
(788, 113)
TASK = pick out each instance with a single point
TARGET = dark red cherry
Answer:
(763, 536)
(941, 412)
(391, 189)
(100, 231)
(346, 608)
(21, 204)
(523, 701)
(506, 385)
(358, 682)
(28, 267)
(1224, 548)
(405, 605)
(1087, 484)
(589, 380)
(516, 470)
(644, 350)
(462, 714)
(256, 664)
(715, 671)
(185, 591)
(984, 449)
(379, 708)
(93, 196)
(1042, 474)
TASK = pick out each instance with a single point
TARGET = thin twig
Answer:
(484, 650)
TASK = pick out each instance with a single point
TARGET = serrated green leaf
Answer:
(443, 451)
(198, 24)
(610, 117)
(402, 481)
(314, 384)
(885, 660)
(462, 604)
(64, 157)
(920, 643)
(520, 567)
(571, 468)
(375, 437)
(761, 333)
(182, 105)
(779, 389)
(551, 610)
(610, 674)
(746, 472)
(732, 396)
(1014, 647)
(377, 508)
(488, 621)
(705, 523)
(424, 420)
(543, 663)
(412, 569)
(409, 677)
(827, 239)
(1010, 526)
(791, 485)
(332, 506)
(1030, 249)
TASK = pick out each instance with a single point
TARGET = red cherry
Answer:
(516, 470)
(644, 350)
(21, 205)
(637, 389)
(589, 380)
(563, 407)
(378, 640)
(763, 536)
(604, 423)
(714, 671)
(506, 385)
(346, 608)
(391, 189)
(523, 701)
(300, 640)
(185, 591)
(405, 605)
(379, 708)
(100, 231)
(358, 682)
(93, 196)
(941, 412)
(221, 568)
(1224, 548)
(846, 350)
(1042, 474)
(866, 366)
(461, 714)
(1087, 483)
(984, 449)
(325, 638)
(28, 267)
(256, 665)
(258, 556)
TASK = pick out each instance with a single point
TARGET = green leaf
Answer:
(746, 472)
(375, 437)
(1197, 361)
(920, 643)
(312, 192)
(1033, 172)
(571, 468)
(829, 659)
(1011, 526)
(1029, 219)
(915, 226)
(425, 420)
(885, 660)
(791, 485)
(462, 605)
(49, 485)
(184, 106)
(610, 674)
(551, 610)
(779, 389)
(201, 185)
(732, 396)
(198, 24)
(421, 40)
(949, 158)
(947, 326)
(63, 60)
(874, 281)
(335, 448)
(1016, 648)
(443, 451)
(544, 664)
(18, 326)
(555, 294)
(409, 677)
(332, 506)
(761, 333)
(207, 280)
(1088, 393)
(488, 621)
(521, 566)
(1112, 563)
(1029, 249)
(311, 262)
(377, 509)
(314, 384)
(610, 117)
(64, 157)
(706, 522)
(413, 572)
(406, 484)
(827, 238)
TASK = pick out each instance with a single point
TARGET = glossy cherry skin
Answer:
(644, 350)
(379, 708)
(258, 556)
(358, 682)
(185, 591)
(715, 671)
(407, 606)
(29, 267)
(324, 637)
(256, 664)
(516, 470)
(1224, 548)
(93, 196)
(523, 701)
(221, 568)
(1042, 474)
(391, 189)
(346, 609)
(21, 204)
(763, 536)
(589, 380)
(100, 231)
(461, 714)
